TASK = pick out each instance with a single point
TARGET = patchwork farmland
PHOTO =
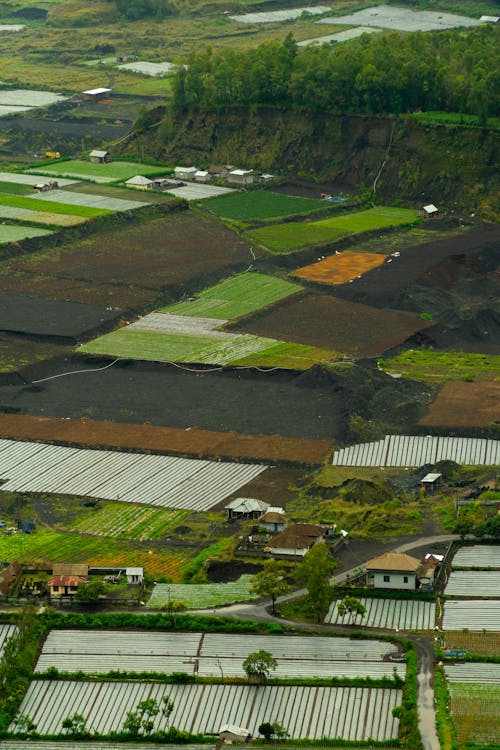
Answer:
(481, 673)
(477, 556)
(261, 205)
(202, 595)
(133, 522)
(211, 654)
(105, 173)
(138, 478)
(474, 710)
(393, 614)
(479, 583)
(471, 615)
(306, 712)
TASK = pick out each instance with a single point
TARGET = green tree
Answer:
(142, 720)
(352, 606)
(314, 573)
(268, 730)
(259, 665)
(270, 581)
(75, 725)
(90, 592)
(23, 724)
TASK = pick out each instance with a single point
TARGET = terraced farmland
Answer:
(261, 204)
(15, 232)
(131, 522)
(116, 170)
(479, 583)
(471, 672)
(292, 236)
(478, 556)
(401, 614)
(473, 615)
(203, 595)
(129, 477)
(213, 655)
(101, 202)
(474, 710)
(6, 632)
(236, 296)
(306, 712)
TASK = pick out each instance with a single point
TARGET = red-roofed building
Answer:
(65, 585)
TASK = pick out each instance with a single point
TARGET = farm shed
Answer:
(230, 733)
(64, 585)
(297, 540)
(430, 567)
(135, 576)
(430, 481)
(429, 212)
(140, 183)
(241, 177)
(489, 19)
(245, 507)
(274, 520)
(8, 575)
(185, 173)
(393, 570)
(99, 157)
(202, 176)
(220, 171)
(96, 95)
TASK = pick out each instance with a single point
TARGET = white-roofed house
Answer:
(97, 156)
(430, 481)
(245, 507)
(185, 173)
(94, 95)
(140, 183)
(241, 177)
(135, 576)
(489, 19)
(429, 211)
(202, 176)
(230, 733)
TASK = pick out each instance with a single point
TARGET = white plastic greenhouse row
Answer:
(308, 712)
(472, 614)
(303, 668)
(88, 200)
(412, 450)
(478, 556)
(121, 642)
(483, 674)
(124, 662)
(183, 325)
(6, 631)
(394, 614)
(129, 477)
(476, 583)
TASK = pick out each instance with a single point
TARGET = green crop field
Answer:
(432, 366)
(115, 170)
(474, 710)
(243, 349)
(203, 595)
(50, 546)
(32, 204)
(292, 236)
(16, 233)
(237, 296)
(261, 204)
(13, 188)
(124, 521)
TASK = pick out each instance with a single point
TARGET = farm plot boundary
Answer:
(393, 614)
(306, 712)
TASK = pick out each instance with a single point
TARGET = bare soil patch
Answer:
(43, 317)
(243, 401)
(323, 321)
(18, 352)
(341, 267)
(193, 443)
(160, 254)
(461, 404)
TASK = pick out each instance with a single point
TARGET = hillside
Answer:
(446, 165)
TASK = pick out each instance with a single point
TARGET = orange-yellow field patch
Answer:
(338, 269)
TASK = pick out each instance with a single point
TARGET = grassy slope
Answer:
(32, 204)
(433, 367)
(293, 236)
(235, 297)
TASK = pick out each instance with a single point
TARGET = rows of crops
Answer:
(308, 712)
(213, 655)
(474, 672)
(478, 583)
(131, 522)
(394, 614)
(181, 324)
(473, 615)
(203, 595)
(128, 477)
(261, 204)
(39, 217)
(478, 556)
(88, 200)
(116, 170)
(15, 232)
(6, 631)
(474, 709)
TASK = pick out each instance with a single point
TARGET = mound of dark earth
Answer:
(20, 313)
(222, 572)
(32, 14)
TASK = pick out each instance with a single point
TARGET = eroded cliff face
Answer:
(457, 165)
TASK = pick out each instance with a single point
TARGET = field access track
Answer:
(480, 673)
(308, 712)
(213, 655)
(128, 477)
(412, 450)
(393, 614)
(472, 582)
(471, 615)
(478, 556)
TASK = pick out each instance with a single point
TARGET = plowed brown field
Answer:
(337, 269)
(461, 404)
(193, 442)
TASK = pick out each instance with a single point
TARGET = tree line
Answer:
(377, 74)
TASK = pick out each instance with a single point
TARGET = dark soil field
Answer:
(43, 317)
(18, 352)
(460, 404)
(243, 401)
(346, 327)
(195, 442)
(159, 255)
